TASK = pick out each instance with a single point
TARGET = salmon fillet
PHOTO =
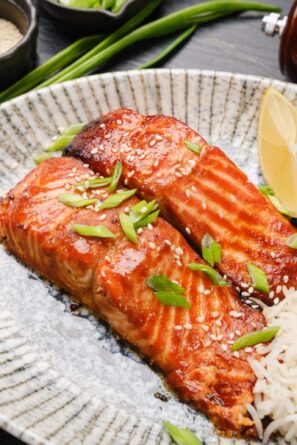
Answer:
(191, 346)
(200, 193)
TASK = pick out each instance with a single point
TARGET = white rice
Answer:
(276, 387)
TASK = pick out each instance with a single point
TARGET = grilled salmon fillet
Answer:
(191, 346)
(200, 193)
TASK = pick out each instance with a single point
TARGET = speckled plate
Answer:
(65, 378)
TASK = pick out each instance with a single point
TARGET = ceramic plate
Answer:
(65, 378)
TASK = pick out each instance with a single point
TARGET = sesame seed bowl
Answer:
(65, 377)
(18, 42)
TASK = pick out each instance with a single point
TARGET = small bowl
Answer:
(19, 59)
(90, 19)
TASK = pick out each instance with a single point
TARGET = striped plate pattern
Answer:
(64, 377)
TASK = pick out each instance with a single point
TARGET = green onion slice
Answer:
(117, 199)
(167, 291)
(65, 138)
(38, 158)
(98, 231)
(211, 250)
(143, 213)
(181, 436)
(75, 200)
(147, 220)
(259, 280)
(255, 338)
(192, 146)
(94, 183)
(291, 241)
(128, 227)
(212, 274)
(267, 191)
(116, 175)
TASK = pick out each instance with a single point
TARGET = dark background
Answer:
(235, 44)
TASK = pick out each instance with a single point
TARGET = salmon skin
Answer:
(191, 346)
(201, 193)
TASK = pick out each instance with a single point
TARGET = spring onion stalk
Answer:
(212, 274)
(254, 338)
(55, 63)
(169, 49)
(93, 183)
(117, 199)
(148, 219)
(75, 200)
(267, 191)
(211, 250)
(65, 138)
(98, 231)
(105, 44)
(192, 146)
(291, 241)
(128, 227)
(116, 176)
(168, 292)
(259, 280)
(118, 4)
(201, 13)
(38, 158)
(181, 436)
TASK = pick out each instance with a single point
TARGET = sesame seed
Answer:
(232, 335)
(236, 354)
(213, 337)
(245, 294)
(143, 210)
(224, 347)
(102, 125)
(236, 314)
(272, 254)
(126, 181)
(119, 121)
(178, 328)
(251, 290)
(107, 136)
(166, 241)
(276, 300)
(179, 251)
(142, 157)
(248, 349)
(206, 292)
(94, 151)
(278, 289)
(194, 188)
(67, 186)
(74, 169)
(114, 150)
(200, 319)
(244, 285)
(201, 288)
(156, 163)
(237, 332)
(179, 263)
(130, 174)
(150, 226)
(158, 137)
(219, 323)
(205, 327)
(271, 294)
(286, 278)
(219, 337)
(101, 147)
(204, 206)
(139, 230)
(102, 217)
(188, 193)
(188, 326)
(126, 209)
(152, 245)
(230, 342)
(178, 174)
(238, 289)
(71, 175)
(188, 230)
(215, 314)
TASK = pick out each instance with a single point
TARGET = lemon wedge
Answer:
(277, 142)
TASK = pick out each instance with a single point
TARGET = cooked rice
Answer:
(276, 387)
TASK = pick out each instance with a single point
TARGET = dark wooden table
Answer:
(236, 44)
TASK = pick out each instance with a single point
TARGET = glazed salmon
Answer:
(191, 346)
(202, 193)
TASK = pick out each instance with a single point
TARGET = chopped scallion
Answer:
(116, 175)
(181, 436)
(65, 138)
(94, 183)
(149, 219)
(259, 279)
(117, 199)
(75, 200)
(38, 158)
(128, 227)
(192, 146)
(291, 241)
(211, 250)
(172, 299)
(255, 338)
(167, 291)
(267, 191)
(212, 274)
(97, 231)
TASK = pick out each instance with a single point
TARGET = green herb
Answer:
(98, 231)
(94, 183)
(181, 436)
(169, 49)
(211, 250)
(118, 4)
(291, 241)
(202, 13)
(55, 63)
(147, 220)
(267, 191)
(75, 200)
(212, 274)
(143, 213)
(128, 227)
(38, 158)
(167, 291)
(65, 138)
(117, 199)
(255, 338)
(259, 280)
(116, 175)
(192, 146)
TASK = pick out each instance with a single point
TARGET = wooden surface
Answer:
(235, 44)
